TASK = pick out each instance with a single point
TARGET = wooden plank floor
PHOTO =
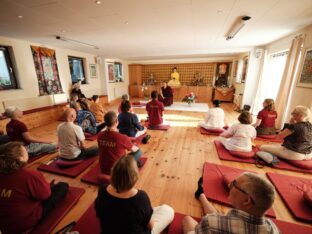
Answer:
(175, 162)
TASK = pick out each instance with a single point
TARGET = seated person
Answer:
(250, 195)
(86, 120)
(26, 197)
(71, 139)
(265, 124)
(155, 110)
(124, 98)
(128, 123)
(214, 118)
(3, 138)
(297, 135)
(17, 131)
(73, 103)
(239, 136)
(97, 109)
(76, 90)
(166, 95)
(129, 209)
(113, 145)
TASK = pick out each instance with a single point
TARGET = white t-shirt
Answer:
(241, 139)
(69, 136)
(215, 118)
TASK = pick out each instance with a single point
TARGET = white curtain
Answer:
(269, 83)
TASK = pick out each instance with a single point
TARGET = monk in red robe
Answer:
(166, 95)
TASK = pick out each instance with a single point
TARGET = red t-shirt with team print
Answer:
(112, 146)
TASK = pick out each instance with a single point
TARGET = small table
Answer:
(223, 94)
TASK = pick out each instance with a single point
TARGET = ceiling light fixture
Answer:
(19, 16)
(76, 42)
(236, 27)
(98, 2)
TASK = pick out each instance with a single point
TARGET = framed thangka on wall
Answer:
(93, 73)
(305, 78)
(110, 72)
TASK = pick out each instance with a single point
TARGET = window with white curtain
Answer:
(271, 80)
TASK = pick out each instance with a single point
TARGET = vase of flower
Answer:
(189, 99)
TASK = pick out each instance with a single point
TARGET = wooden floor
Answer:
(175, 162)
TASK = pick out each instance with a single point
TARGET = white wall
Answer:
(300, 95)
(27, 78)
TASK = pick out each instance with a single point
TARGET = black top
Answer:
(129, 124)
(118, 215)
(301, 139)
(78, 92)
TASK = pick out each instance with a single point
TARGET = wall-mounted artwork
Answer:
(118, 72)
(110, 72)
(222, 73)
(305, 78)
(93, 73)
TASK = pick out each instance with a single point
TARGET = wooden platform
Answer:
(175, 162)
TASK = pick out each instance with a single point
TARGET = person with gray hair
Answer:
(250, 195)
(124, 98)
(18, 131)
(297, 135)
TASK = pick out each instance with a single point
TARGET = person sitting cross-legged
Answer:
(155, 110)
(214, 118)
(26, 197)
(71, 139)
(166, 95)
(18, 131)
(113, 145)
(121, 208)
(97, 109)
(250, 195)
(128, 123)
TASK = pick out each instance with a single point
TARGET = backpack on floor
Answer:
(265, 159)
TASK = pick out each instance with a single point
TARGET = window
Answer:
(76, 69)
(7, 77)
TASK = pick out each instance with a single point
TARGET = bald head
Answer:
(70, 115)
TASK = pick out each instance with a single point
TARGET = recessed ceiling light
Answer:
(98, 2)
(19, 16)
(219, 11)
(126, 22)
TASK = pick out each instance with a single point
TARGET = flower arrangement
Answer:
(190, 98)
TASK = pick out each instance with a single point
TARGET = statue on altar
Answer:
(222, 75)
(150, 79)
(198, 80)
(174, 79)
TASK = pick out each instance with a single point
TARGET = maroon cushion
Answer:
(241, 154)
(307, 197)
(104, 178)
(215, 130)
(229, 177)
(64, 164)
(305, 164)
(267, 136)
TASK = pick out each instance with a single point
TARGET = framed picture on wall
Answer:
(93, 73)
(110, 72)
(305, 77)
(118, 72)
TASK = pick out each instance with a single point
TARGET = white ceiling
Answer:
(135, 29)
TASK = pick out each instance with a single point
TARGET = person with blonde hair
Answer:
(121, 208)
(250, 195)
(26, 198)
(18, 131)
(239, 136)
(265, 124)
(297, 135)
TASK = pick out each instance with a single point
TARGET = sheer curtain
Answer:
(270, 81)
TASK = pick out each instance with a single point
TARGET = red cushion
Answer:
(305, 164)
(229, 177)
(215, 130)
(307, 197)
(104, 178)
(64, 164)
(241, 154)
(267, 136)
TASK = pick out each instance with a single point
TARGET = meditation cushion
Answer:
(305, 164)
(215, 130)
(65, 164)
(229, 177)
(267, 136)
(240, 154)
(307, 197)
(103, 178)
(136, 103)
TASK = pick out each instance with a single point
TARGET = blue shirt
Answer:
(129, 124)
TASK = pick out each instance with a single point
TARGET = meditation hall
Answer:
(155, 117)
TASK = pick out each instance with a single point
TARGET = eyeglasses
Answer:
(234, 184)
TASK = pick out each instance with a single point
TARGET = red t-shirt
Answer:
(155, 111)
(15, 130)
(267, 118)
(112, 146)
(21, 194)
